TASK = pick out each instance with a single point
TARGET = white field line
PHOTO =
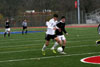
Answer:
(40, 40)
(20, 41)
(27, 45)
(36, 44)
(48, 57)
(47, 48)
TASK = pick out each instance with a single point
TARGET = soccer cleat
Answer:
(63, 53)
(53, 50)
(43, 53)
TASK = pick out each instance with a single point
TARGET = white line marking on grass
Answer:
(43, 41)
(21, 41)
(26, 45)
(48, 57)
(40, 49)
(78, 36)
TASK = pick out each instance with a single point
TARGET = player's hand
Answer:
(54, 28)
(59, 30)
(67, 34)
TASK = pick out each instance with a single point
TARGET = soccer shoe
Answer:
(53, 50)
(63, 53)
(43, 53)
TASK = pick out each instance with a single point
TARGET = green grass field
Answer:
(25, 50)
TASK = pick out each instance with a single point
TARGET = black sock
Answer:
(22, 31)
(5, 34)
(26, 32)
(8, 34)
(63, 47)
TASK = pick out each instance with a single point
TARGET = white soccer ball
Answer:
(59, 49)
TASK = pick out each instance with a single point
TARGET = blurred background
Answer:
(37, 12)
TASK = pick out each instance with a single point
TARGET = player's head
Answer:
(7, 20)
(25, 20)
(55, 16)
(63, 18)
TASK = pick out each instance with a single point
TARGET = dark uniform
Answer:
(62, 29)
(7, 25)
(98, 29)
(59, 33)
(7, 28)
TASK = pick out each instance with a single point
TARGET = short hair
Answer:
(55, 15)
(63, 17)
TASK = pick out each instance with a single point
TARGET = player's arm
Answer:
(98, 27)
(63, 29)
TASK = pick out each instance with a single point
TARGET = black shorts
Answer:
(24, 27)
(49, 37)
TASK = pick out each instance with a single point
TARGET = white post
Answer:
(78, 5)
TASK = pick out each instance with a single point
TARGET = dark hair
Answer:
(63, 17)
(55, 15)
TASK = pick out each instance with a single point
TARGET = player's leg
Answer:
(44, 47)
(55, 44)
(58, 41)
(64, 44)
(5, 32)
(47, 38)
(23, 30)
(26, 31)
(9, 32)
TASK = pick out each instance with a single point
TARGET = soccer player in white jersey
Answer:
(50, 33)
(24, 24)
(60, 35)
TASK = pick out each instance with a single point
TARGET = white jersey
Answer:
(50, 25)
(24, 23)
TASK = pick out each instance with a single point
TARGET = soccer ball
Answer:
(59, 49)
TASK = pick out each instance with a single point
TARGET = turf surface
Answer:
(25, 50)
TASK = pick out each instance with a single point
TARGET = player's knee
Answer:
(64, 41)
(47, 43)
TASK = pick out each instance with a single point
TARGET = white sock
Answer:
(55, 45)
(44, 47)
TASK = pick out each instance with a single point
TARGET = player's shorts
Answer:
(61, 37)
(24, 27)
(49, 37)
(7, 29)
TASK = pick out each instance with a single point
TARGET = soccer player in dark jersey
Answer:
(60, 35)
(7, 28)
(24, 24)
(98, 29)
